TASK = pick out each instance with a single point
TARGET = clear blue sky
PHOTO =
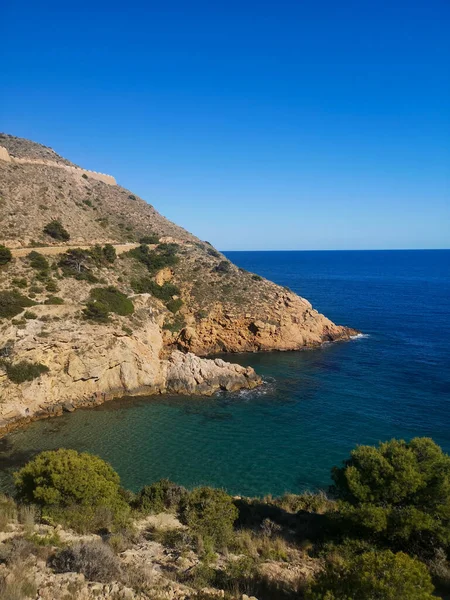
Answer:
(256, 125)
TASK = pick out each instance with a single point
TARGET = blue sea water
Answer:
(315, 406)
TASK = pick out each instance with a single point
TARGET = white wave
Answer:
(359, 336)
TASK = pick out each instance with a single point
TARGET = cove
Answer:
(314, 406)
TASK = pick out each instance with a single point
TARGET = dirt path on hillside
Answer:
(53, 250)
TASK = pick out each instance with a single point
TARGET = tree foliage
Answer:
(210, 513)
(5, 255)
(62, 478)
(400, 490)
(373, 576)
(56, 230)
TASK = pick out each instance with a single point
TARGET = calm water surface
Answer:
(314, 406)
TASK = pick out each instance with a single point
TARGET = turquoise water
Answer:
(313, 407)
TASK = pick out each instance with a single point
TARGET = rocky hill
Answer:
(101, 296)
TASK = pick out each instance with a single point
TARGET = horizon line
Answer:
(346, 250)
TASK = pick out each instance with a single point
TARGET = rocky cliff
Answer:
(117, 300)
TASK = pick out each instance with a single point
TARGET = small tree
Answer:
(210, 513)
(109, 253)
(56, 230)
(380, 575)
(63, 480)
(5, 255)
(399, 490)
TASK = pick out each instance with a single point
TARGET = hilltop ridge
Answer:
(129, 323)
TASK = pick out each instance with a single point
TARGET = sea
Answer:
(391, 381)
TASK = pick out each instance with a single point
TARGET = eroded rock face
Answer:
(90, 363)
(290, 323)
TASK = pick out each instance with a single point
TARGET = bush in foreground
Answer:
(399, 491)
(160, 496)
(95, 560)
(64, 479)
(210, 514)
(374, 576)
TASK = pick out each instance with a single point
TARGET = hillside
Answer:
(110, 319)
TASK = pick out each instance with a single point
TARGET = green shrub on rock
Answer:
(113, 299)
(12, 303)
(399, 491)
(56, 230)
(61, 481)
(5, 255)
(210, 513)
(38, 261)
(159, 496)
(373, 575)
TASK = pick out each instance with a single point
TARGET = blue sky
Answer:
(255, 125)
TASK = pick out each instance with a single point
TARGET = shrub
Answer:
(5, 255)
(96, 311)
(51, 286)
(63, 478)
(149, 239)
(223, 267)
(95, 560)
(54, 300)
(8, 511)
(400, 491)
(56, 230)
(212, 252)
(38, 261)
(174, 305)
(132, 197)
(109, 252)
(380, 575)
(162, 256)
(210, 513)
(164, 292)
(257, 278)
(84, 176)
(113, 300)
(20, 283)
(160, 496)
(24, 371)
(12, 303)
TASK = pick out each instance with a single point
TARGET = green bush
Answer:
(38, 261)
(51, 286)
(164, 292)
(96, 311)
(373, 575)
(210, 514)
(399, 491)
(174, 305)
(113, 300)
(12, 303)
(56, 230)
(63, 479)
(164, 255)
(223, 267)
(24, 371)
(159, 496)
(54, 300)
(109, 252)
(5, 255)
(149, 239)
(20, 283)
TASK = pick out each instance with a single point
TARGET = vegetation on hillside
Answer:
(56, 230)
(235, 539)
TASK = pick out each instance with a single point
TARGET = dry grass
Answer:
(8, 511)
